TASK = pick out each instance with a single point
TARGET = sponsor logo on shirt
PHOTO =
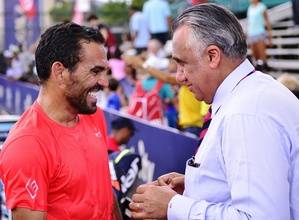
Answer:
(32, 188)
(98, 133)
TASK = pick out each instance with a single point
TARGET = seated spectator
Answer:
(122, 129)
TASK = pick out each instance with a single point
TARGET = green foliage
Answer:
(114, 13)
(61, 11)
(138, 4)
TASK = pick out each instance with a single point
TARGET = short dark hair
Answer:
(113, 84)
(120, 123)
(62, 42)
(92, 17)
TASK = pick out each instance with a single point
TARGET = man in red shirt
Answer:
(54, 163)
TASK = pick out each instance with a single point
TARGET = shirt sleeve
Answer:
(256, 160)
(24, 173)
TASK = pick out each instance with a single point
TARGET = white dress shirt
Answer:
(249, 158)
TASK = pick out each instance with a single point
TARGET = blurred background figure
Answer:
(92, 21)
(139, 29)
(122, 129)
(258, 36)
(157, 14)
(114, 99)
(295, 7)
(291, 82)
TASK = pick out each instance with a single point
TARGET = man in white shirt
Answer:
(139, 29)
(247, 165)
(157, 14)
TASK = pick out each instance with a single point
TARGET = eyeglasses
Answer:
(191, 162)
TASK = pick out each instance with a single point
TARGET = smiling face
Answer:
(87, 79)
(194, 64)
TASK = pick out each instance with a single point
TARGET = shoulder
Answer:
(262, 6)
(261, 95)
(29, 124)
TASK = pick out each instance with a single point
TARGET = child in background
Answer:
(114, 100)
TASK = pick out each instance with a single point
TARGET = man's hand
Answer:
(134, 61)
(151, 201)
(174, 180)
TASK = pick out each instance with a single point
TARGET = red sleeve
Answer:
(23, 169)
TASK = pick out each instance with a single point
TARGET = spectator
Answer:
(157, 14)
(191, 112)
(258, 37)
(117, 65)
(139, 29)
(252, 141)
(295, 7)
(54, 163)
(113, 100)
(122, 129)
(92, 21)
(291, 82)
(128, 83)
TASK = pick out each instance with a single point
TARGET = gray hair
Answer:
(214, 25)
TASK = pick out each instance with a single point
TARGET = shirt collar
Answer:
(229, 83)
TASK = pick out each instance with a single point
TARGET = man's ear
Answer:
(214, 56)
(57, 72)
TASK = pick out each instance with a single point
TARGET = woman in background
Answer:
(259, 33)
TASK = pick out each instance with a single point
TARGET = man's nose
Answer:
(180, 76)
(103, 81)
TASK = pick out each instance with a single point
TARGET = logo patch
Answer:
(32, 188)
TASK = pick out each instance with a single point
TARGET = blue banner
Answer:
(15, 96)
(18, 28)
(162, 149)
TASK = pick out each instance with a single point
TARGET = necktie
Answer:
(206, 124)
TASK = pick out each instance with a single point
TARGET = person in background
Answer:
(139, 29)
(113, 99)
(128, 83)
(158, 17)
(291, 82)
(258, 36)
(122, 129)
(54, 163)
(191, 112)
(92, 21)
(117, 65)
(246, 166)
(295, 7)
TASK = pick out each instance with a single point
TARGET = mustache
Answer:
(97, 88)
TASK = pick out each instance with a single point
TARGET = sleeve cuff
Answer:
(182, 207)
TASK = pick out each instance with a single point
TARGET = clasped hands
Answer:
(151, 200)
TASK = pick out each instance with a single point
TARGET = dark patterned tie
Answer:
(206, 124)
